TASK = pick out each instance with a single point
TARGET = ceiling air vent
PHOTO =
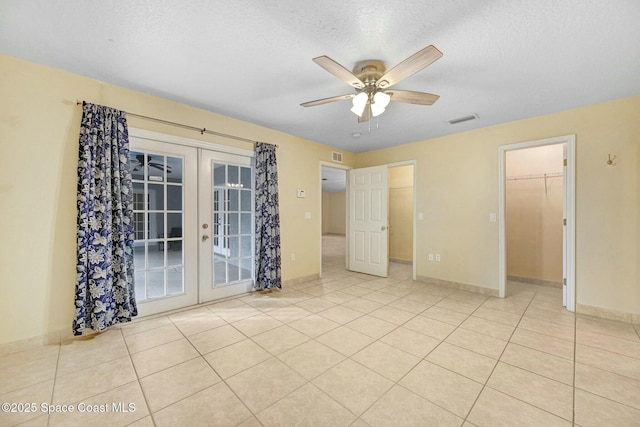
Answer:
(336, 157)
(463, 119)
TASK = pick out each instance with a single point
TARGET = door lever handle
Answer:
(205, 237)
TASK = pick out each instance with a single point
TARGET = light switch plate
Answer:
(300, 194)
(307, 215)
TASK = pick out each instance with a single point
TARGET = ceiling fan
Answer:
(372, 83)
(141, 162)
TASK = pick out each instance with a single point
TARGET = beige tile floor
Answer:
(345, 350)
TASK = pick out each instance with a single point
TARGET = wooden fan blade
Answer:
(327, 100)
(339, 71)
(412, 97)
(410, 66)
(366, 115)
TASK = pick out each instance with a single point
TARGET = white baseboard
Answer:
(605, 313)
(458, 286)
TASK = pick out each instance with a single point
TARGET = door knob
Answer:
(383, 228)
(204, 237)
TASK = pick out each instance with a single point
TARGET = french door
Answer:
(193, 225)
(226, 225)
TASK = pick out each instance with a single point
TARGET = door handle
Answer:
(205, 237)
(383, 228)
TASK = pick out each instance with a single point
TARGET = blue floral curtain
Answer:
(104, 283)
(268, 260)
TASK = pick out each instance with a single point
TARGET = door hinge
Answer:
(564, 221)
(564, 162)
(564, 282)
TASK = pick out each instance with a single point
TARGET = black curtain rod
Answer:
(201, 130)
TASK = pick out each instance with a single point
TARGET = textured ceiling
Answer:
(503, 59)
(334, 180)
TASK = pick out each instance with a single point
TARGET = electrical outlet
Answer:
(293, 257)
(438, 257)
(430, 257)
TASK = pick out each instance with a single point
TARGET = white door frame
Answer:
(570, 203)
(414, 163)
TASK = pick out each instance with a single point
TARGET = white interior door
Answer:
(226, 225)
(368, 225)
(165, 218)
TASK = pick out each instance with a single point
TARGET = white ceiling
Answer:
(334, 180)
(503, 59)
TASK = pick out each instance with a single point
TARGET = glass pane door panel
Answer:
(174, 169)
(139, 255)
(155, 254)
(174, 197)
(233, 273)
(234, 226)
(245, 179)
(232, 223)
(137, 160)
(233, 177)
(141, 285)
(220, 272)
(246, 224)
(219, 175)
(158, 196)
(246, 267)
(233, 200)
(246, 248)
(155, 284)
(246, 200)
(174, 280)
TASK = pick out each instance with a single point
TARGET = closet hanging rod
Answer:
(201, 130)
(546, 175)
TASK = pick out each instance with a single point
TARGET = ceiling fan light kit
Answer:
(359, 102)
(371, 81)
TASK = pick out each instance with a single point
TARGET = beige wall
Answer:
(456, 176)
(457, 189)
(401, 213)
(534, 213)
(39, 126)
(334, 212)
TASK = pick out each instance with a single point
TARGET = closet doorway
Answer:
(537, 205)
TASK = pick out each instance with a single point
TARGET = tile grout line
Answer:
(55, 378)
(214, 370)
(498, 361)
(144, 395)
(397, 383)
